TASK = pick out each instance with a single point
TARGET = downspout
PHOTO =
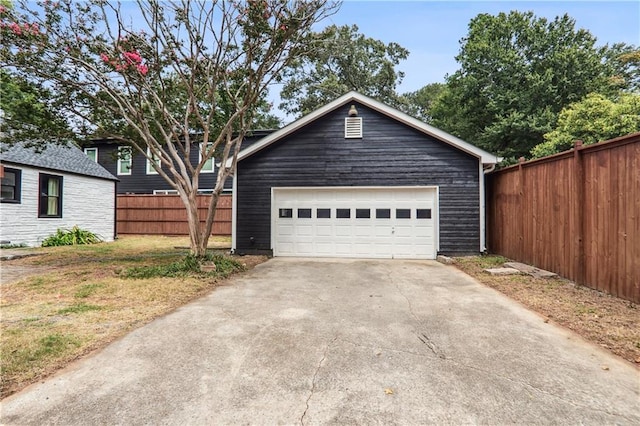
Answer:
(483, 217)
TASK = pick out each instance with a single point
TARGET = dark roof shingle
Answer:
(64, 158)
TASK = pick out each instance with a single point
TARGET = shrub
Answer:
(70, 237)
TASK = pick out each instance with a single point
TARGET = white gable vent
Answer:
(353, 127)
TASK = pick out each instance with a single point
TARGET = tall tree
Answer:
(340, 60)
(594, 119)
(517, 72)
(187, 65)
(25, 109)
(419, 104)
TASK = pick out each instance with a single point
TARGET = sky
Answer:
(432, 30)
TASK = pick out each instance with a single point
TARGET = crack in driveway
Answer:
(315, 375)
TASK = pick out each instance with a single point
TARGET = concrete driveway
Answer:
(299, 341)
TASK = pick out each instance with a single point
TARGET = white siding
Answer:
(86, 202)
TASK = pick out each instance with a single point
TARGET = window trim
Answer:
(17, 191)
(122, 162)
(212, 159)
(43, 198)
(150, 169)
(94, 149)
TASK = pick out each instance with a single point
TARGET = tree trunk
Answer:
(198, 243)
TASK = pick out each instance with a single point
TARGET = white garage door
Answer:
(392, 222)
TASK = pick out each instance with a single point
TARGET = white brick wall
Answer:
(87, 202)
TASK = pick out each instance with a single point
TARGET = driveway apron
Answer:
(302, 341)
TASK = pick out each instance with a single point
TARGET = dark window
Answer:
(50, 196)
(363, 213)
(286, 213)
(304, 213)
(323, 213)
(403, 213)
(11, 186)
(343, 213)
(423, 213)
(383, 213)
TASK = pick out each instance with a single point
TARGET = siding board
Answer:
(389, 154)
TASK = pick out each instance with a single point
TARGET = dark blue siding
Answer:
(389, 154)
(139, 182)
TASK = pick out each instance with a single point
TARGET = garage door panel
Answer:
(375, 222)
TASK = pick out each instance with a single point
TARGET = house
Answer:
(136, 173)
(56, 188)
(357, 178)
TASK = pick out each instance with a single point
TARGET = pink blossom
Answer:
(3, 9)
(143, 69)
(15, 28)
(132, 57)
(119, 67)
(104, 57)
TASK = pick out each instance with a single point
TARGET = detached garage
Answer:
(357, 178)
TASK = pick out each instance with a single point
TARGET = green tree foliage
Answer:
(594, 119)
(25, 110)
(339, 60)
(517, 73)
(185, 68)
(418, 104)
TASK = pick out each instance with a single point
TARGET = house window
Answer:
(11, 185)
(208, 166)
(343, 213)
(403, 213)
(304, 213)
(124, 160)
(92, 153)
(150, 169)
(363, 213)
(383, 213)
(50, 204)
(285, 213)
(323, 213)
(423, 214)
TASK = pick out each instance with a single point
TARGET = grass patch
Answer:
(79, 308)
(83, 301)
(188, 266)
(87, 290)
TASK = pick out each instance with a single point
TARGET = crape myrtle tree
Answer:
(161, 77)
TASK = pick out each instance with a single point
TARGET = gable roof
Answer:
(65, 158)
(484, 156)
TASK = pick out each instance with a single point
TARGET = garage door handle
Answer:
(393, 230)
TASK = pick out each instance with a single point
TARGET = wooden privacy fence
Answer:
(576, 213)
(166, 214)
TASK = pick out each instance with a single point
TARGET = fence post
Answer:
(579, 209)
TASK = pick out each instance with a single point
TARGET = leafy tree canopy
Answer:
(339, 60)
(25, 110)
(419, 104)
(517, 73)
(594, 119)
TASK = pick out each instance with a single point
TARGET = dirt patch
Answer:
(605, 320)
